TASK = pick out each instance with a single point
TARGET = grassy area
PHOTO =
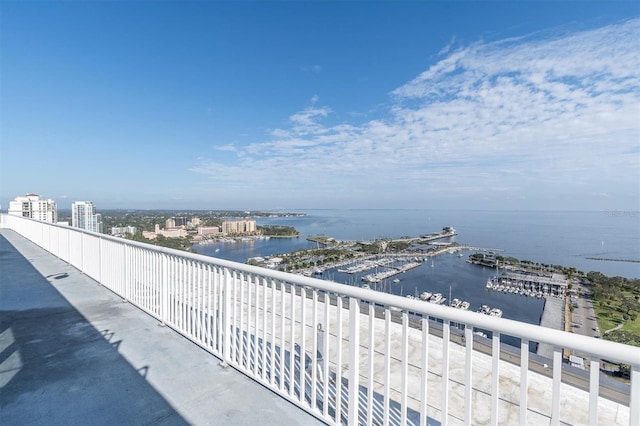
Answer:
(611, 316)
(607, 318)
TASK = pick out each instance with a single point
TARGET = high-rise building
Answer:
(239, 227)
(33, 207)
(84, 216)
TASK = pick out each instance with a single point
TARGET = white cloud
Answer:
(228, 147)
(519, 115)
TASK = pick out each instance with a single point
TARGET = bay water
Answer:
(552, 237)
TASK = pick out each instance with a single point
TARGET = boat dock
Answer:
(540, 285)
(379, 276)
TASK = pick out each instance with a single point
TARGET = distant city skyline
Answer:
(304, 105)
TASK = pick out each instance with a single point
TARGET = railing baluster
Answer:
(325, 356)
(314, 354)
(468, 373)
(256, 326)
(226, 311)
(163, 289)
(555, 394)
(292, 343)
(594, 384)
(183, 287)
(281, 364)
(524, 374)
(354, 360)
(446, 334)
(424, 386)
(495, 376)
(202, 314)
(634, 397)
(405, 368)
(272, 351)
(370, 373)
(263, 352)
(303, 346)
(216, 313)
(387, 364)
(339, 305)
(241, 358)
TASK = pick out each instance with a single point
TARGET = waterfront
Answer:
(563, 238)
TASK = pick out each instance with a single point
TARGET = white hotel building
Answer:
(33, 207)
(84, 216)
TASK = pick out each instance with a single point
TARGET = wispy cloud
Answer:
(546, 112)
(316, 69)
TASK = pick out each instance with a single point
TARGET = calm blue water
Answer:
(564, 238)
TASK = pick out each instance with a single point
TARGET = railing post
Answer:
(634, 397)
(163, 289)
(99, 260)
(226, 318)
(127, 273)
(354, 359)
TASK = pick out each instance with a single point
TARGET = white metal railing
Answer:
(347, 354)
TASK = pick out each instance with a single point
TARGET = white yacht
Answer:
(495, 312)
(437, 299)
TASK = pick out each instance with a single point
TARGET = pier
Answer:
(377, 277)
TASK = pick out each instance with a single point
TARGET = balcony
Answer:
(239, 344)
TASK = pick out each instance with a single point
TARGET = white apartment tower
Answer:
(33, 207)
(84, 216)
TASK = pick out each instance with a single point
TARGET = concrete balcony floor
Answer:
(72, 352)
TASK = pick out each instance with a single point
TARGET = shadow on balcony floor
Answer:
(55, 367)
(71, 352)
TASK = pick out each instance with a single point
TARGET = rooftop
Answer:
(71, 350)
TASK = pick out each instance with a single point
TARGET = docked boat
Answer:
(484, 309)
(437, 299)
(495, 312)
(425, 295)
(465, 305)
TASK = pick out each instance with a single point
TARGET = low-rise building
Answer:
(122, 230)
(167, 233)
(208, 230)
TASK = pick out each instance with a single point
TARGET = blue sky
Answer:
(294, 105)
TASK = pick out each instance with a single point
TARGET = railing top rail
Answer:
(602, 348)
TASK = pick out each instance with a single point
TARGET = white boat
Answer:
(484, 309)
(426, 295)
(495, 312)
(396, 280)
(437, 299)
(465, 305)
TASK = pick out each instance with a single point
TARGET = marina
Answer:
(529, 284)
(502, 231)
